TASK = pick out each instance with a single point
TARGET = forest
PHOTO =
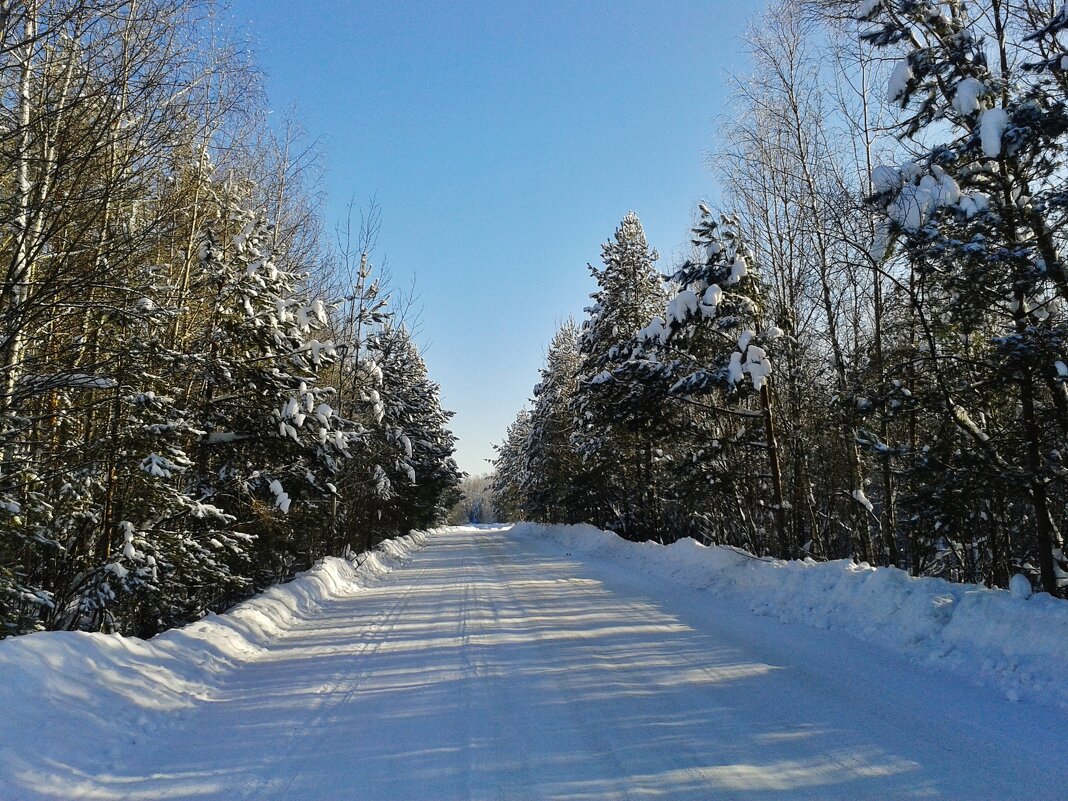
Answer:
(863, 352)
(203, 390)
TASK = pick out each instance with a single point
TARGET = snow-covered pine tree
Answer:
(980, 215)
(509, 468)
(553, 478)
(412, 447)
(153, 544)
(717, 347)
(618, 451)
(270, 436)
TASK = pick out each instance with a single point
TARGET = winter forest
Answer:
(331, 470)
(204, 389)
(864, 353)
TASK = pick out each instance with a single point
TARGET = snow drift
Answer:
(1016, 643)
(93, 694)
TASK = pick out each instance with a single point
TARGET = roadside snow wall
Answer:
(74, 692)
(994, 637)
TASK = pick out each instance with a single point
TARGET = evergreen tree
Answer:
(509, 502)
(553, 476)
(717, 345)
(618, 453)
(417, 454)
(980, 217)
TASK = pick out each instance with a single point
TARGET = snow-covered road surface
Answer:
(499, 666)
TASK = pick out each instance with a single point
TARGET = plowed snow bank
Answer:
(1017, 644)
(102, 691)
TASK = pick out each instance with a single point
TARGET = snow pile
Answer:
(992, 125)
(920, 196)
(966, 100)
(95, 694)
(900, 78)
(1009, 639)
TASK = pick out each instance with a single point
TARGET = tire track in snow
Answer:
(339, 694)
(568, 698)
(499, 668)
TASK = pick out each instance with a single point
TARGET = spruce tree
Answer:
(509, 467)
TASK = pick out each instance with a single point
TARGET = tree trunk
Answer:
(785, 551)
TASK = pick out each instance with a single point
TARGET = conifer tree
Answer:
(509, 502)
(417, 454)
(553, 478)
(718, 344)
(980, 218)
(618, 452)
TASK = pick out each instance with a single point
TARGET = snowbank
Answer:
(1017, 644)
(99, 693)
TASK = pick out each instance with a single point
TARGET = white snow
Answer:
(992, 125)
(602, 377)
(899, 80)
(1020, 587)
(711, 297)
(739, 269)
(554, 663)
(885, 179)
(989, 636)
(916, 202)
(159, 466)
(87, 703)
(71, 380)
(972, 203)
(654, 331)
(758, 365)
(735, 371)
(281, 498)
(862, 499)
(383, 485)
(866, 7)
(751, 359)
(128, 549)
(966, 98)
(681, 307)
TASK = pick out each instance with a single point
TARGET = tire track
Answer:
(312, 731)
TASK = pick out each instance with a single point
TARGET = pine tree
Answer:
(553, 479)
(718, 345)
(618, 452)
(509, 502)
(979, 217)
(417, 454)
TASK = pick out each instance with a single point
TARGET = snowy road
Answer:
(493, 666)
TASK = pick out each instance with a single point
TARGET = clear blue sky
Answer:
(504, 142)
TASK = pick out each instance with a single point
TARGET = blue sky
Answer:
(504, 142)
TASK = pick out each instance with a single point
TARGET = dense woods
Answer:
(200, 392)
(864, 354)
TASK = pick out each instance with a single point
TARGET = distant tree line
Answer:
(199, 394)
(864, 354)
(476, 502)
